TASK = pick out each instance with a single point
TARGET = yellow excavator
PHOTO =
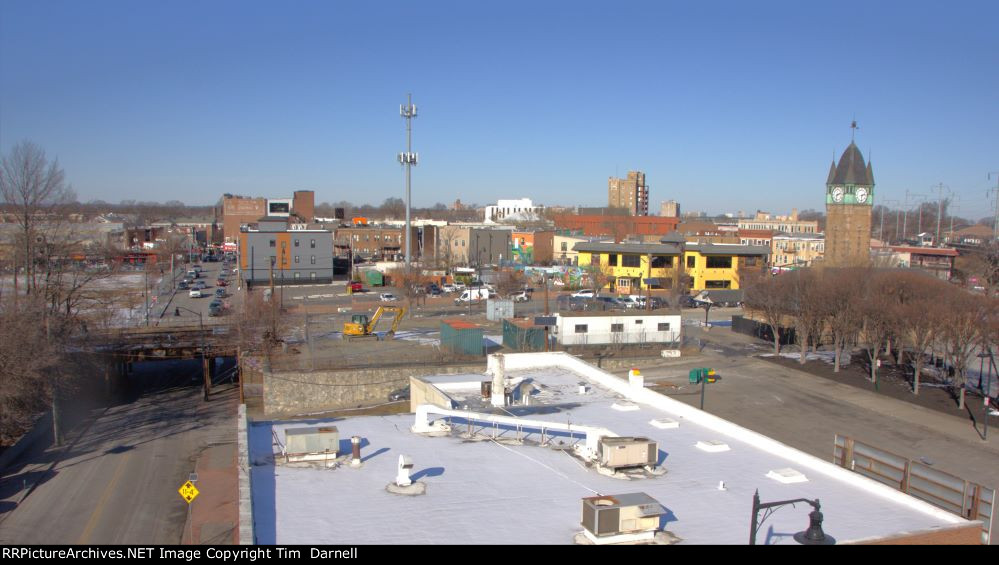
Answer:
(360, 327)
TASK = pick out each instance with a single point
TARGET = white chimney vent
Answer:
(405, 466)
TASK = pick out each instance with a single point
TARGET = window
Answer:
(313, 260)
(719, 262)
(296, 243)
(616, 328)
(581, 328)
(313, 245)
(751, 261)
(312, 275)
(637, 322)
(612, 260)
(661, 262)
(691, 261)
(297, 274)
(565, 246)
(296, 259)
(631, 260)
(273, 243)
(284, 245)
(664, 327)
(717, 284)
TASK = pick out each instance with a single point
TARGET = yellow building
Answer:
(625, 267)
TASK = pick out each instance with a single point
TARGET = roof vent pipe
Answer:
(499, 387)
(402, 476)
(355, 455)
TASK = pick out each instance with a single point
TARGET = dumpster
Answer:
(375, 278)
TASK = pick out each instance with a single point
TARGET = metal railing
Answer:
(943, 490)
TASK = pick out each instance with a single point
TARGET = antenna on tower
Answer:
(853, 128)
(408, 159)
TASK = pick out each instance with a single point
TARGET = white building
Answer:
(506, 456)
(610, 327)
(513, 210)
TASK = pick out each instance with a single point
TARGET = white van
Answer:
(472, 295)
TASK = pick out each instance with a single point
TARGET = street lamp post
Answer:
(812, 536)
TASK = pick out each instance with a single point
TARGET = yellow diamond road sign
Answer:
(188, 491)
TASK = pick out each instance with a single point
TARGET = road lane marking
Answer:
(92, 522)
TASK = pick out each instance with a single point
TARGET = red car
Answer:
(220, 282)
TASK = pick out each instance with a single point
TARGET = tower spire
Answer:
(853, 129)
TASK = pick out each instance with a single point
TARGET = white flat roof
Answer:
(489, 492)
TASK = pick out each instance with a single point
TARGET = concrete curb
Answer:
(246, 534)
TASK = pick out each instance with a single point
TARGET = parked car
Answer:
(611, 303)
(200, 285)
(221, 282)
(400, 394)
(449, 288)
(182, 285)
(632, 301)
(522, 296)
(355, 286)
(220, 292)
(387, 297)
(585, 293)
(196, 293)
(689, 302)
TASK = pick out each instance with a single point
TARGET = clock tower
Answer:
(849, 201)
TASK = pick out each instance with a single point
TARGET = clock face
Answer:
(861, 195)
(837, 194)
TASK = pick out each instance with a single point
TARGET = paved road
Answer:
(188, 308)
(118, 483)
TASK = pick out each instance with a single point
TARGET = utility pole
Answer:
(995, 191)
(145, 288)
(547, 338)
(409, 159)
(940, 189)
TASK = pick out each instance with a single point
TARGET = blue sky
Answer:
(726, 106)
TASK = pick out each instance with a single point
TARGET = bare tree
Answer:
(510, 282)
(841, 301)
(805, 309)
(32, 186)
(769, 298)
(877, 309)
(962, 322)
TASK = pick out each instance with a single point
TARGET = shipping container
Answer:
(523, 335)
(498, 309)
(461, 338)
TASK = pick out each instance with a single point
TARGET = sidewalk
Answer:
(214, 514)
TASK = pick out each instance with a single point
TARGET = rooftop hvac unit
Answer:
(621, 514)
(311, 444)
(622, 452)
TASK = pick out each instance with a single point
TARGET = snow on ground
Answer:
(423, 337)
(827, 356)
(488, 492)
